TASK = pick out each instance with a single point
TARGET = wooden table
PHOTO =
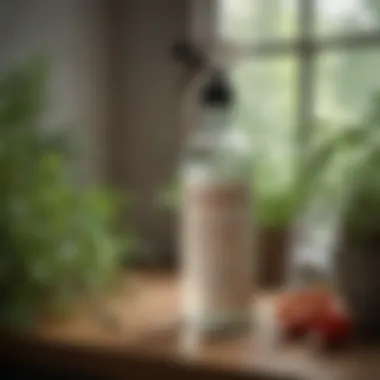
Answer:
(136, 334)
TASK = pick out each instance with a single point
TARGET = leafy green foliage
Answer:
(357, 151)
(57, 241)
(354, 154)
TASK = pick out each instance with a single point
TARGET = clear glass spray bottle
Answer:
(216, 227)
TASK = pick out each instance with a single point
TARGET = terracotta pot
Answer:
(272, 251)
(358, 278)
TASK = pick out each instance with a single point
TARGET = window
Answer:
(305, 70)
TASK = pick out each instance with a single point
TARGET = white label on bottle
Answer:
(216, 249)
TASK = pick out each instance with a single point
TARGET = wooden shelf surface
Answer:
(137, 334)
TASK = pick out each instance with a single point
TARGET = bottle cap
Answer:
(217, 92)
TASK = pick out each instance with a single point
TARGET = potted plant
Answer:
(59, 241)
(357, 261)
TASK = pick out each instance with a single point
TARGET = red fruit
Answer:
(334, 324)
(316, 312)
(297, 311)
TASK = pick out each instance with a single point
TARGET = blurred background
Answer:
(305, 72)
(99, 76)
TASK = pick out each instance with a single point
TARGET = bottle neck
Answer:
(215, 120)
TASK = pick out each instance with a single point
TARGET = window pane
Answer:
(342, 17)
(253, 20)
(347, 80)
(347, 84)
(267, 109)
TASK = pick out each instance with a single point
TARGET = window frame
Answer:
(305, 48)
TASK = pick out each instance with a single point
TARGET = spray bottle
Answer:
(216, 226)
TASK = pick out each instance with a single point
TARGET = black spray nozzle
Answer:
(217, 91)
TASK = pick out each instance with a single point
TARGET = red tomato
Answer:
(334, 324)
(298, 311)
(313, 311)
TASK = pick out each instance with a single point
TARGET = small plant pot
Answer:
(358, 274)
(272, 248)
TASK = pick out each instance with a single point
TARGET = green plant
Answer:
(353, 157)
(277, 207)
(58, 241)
